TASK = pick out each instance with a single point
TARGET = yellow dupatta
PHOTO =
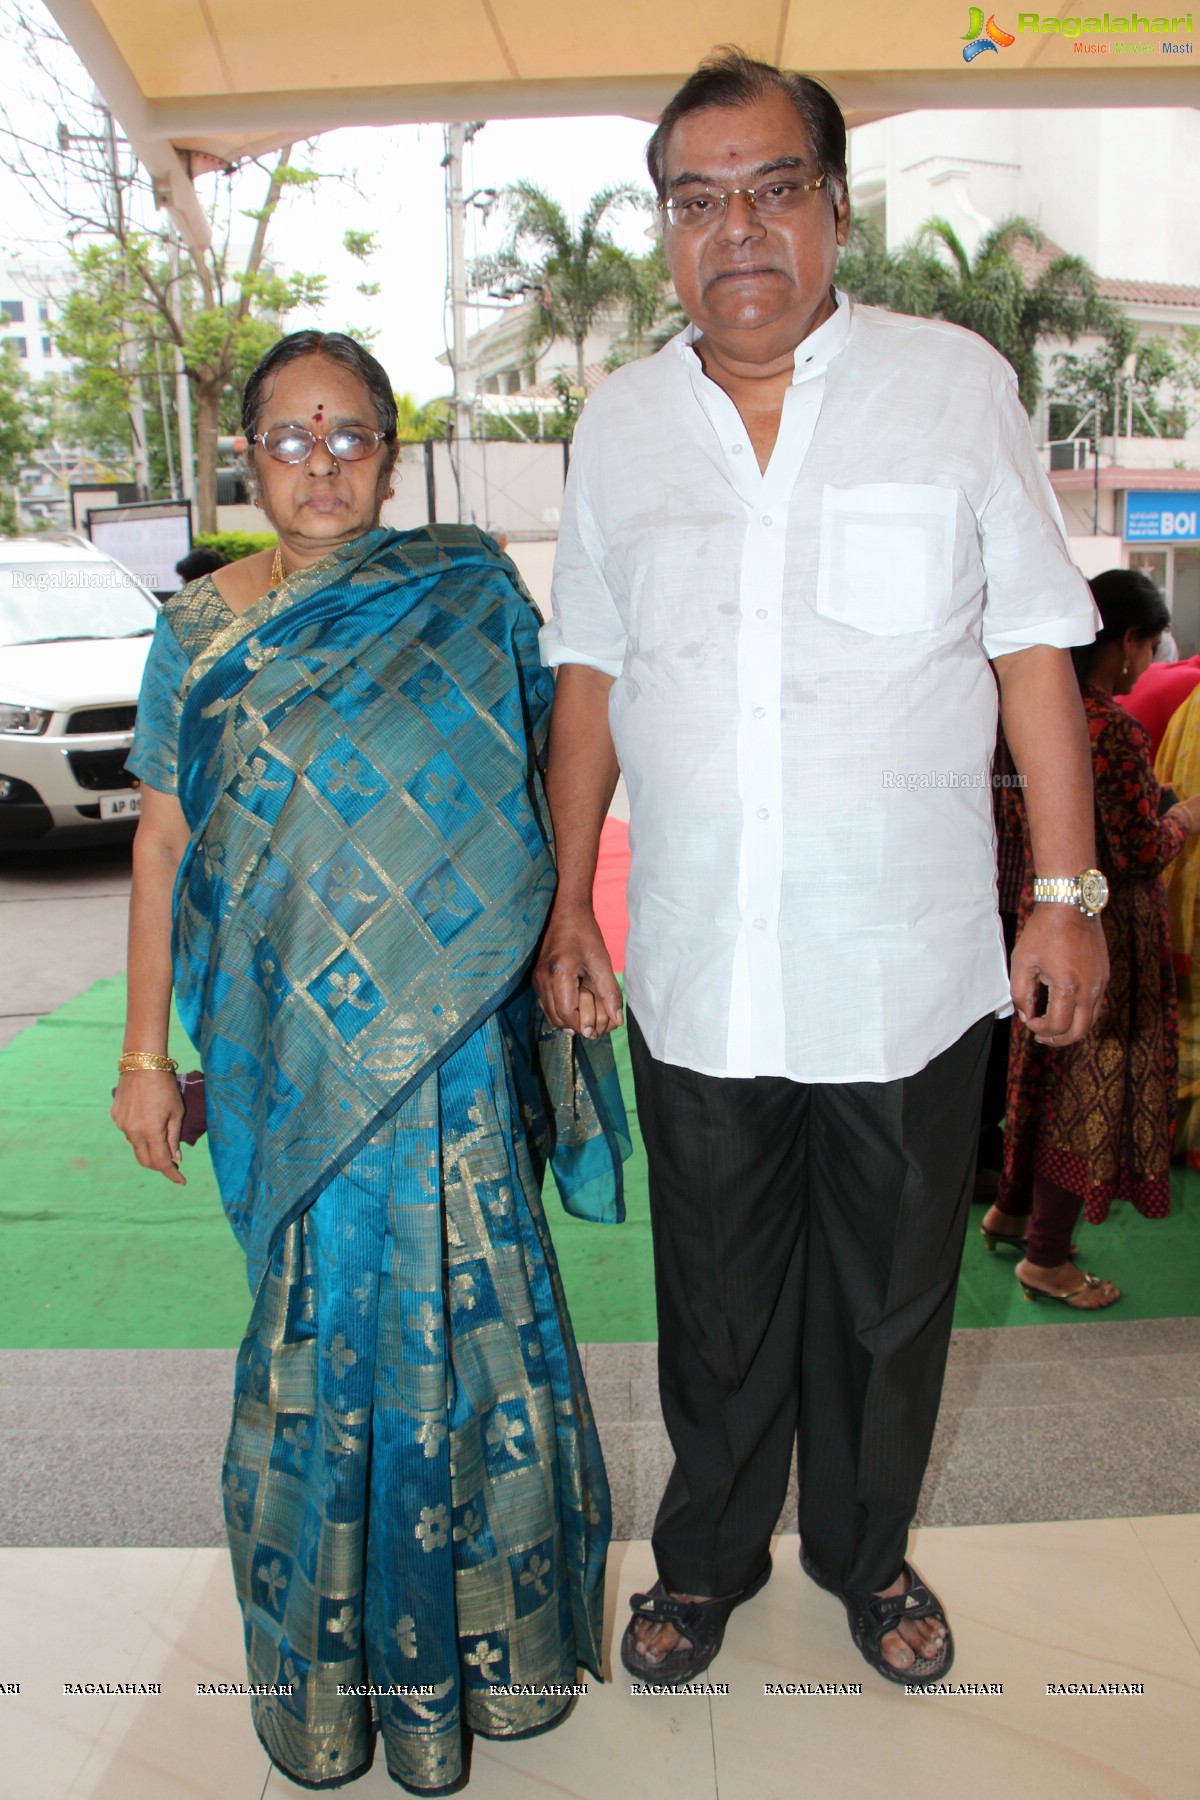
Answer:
(1177, 766)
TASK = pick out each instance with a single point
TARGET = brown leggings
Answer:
(1053, 1213)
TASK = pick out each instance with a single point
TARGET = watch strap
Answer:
(1061, 890)
(1088, 891)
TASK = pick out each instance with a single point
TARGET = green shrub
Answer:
(233, 545)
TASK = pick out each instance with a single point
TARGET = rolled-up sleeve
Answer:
(585, 624)
(1035, 594)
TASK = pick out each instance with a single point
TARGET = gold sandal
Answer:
(992, 1238)
(1071, 1297)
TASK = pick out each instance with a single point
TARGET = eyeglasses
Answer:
(694, 207)
(295, 444)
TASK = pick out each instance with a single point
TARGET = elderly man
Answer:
(800, 548)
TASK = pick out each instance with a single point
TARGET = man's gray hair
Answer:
(731, 78)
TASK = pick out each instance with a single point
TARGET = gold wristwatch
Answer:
(1089, 891)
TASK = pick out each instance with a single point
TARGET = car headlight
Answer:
(22, 721)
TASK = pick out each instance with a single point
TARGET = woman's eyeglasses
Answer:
(295, 444)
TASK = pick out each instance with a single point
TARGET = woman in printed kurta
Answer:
(1092, 1122)
(339, 756)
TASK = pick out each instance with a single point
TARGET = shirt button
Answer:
(763, 813)
(767, 519)
(761, 613)
(760, 924)
(736, 448)
(760, 712)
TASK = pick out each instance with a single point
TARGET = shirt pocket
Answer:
(887, 556)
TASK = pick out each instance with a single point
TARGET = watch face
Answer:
(1093, 890)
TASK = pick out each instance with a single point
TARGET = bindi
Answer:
(320, 412)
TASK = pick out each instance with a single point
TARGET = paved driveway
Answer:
(62, 926)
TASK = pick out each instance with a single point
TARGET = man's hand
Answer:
(1065, 951)
(1061, 947)
(574, 976)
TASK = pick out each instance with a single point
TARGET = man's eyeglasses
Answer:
(295, 444)
(691, 208)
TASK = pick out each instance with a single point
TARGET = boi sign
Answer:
(1158, 517)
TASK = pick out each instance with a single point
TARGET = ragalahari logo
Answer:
(979, 37)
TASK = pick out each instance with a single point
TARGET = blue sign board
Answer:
(1162, 518)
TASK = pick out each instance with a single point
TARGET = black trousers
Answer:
(807, 1241)
(995, 1080)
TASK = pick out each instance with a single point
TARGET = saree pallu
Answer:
(1177, 766)
(414, 1494)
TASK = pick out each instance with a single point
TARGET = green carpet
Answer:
(97, 1254)
(1155, 1263)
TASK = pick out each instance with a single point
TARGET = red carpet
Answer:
(608, 894)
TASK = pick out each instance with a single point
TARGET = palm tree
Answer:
(907, 280)
(654, 313)
(992, 294)
(575, 273)
(1011, 292)
(416, 422)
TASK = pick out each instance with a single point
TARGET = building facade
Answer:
(31, 294)
(1110, 186)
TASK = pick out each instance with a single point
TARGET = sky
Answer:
(393, 185)
(389, 181)
(402, 200)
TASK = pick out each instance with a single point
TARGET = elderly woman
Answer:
(343, 866)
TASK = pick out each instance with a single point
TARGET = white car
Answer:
(75, 630)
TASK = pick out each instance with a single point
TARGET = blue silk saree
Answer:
(415, 1499)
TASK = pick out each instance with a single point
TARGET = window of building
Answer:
(1185, 599)
(1175, 571)
(43, 312)
(1152, 563)
(20, 346)
(13, 312)
(47, 346)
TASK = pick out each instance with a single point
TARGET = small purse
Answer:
(195, 1115)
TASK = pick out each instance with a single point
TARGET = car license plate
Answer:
(120, 806)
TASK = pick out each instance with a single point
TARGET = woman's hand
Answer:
(1188, 813)
(147, 1105)
(148, 1108)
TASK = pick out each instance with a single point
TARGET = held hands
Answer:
(148, 1108)
(574, 977)
(1063, 950)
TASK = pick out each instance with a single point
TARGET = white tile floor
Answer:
(1115, 1600)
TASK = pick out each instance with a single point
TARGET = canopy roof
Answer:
(229, 78)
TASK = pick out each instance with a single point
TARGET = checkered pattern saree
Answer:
(414, 1494)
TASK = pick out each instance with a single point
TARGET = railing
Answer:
(1067, 453)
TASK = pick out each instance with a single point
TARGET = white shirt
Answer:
(803, 707)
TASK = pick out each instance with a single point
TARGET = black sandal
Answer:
(872, 1617)
(700, 1624)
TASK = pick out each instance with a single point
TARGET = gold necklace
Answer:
(277, 570)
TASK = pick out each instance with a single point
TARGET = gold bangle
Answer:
(145, 1059)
